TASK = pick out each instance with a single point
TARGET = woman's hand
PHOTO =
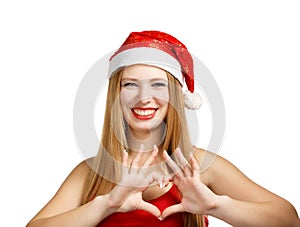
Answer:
(197, 198)
(127, 194)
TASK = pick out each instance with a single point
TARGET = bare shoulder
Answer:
(205, 160)
(81, 170)
(216, 168)
(224, 178)
(211, 163)
(77, 176)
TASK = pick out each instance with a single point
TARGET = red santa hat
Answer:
(159, 49)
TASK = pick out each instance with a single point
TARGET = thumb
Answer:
(172, 210)
(149, 208)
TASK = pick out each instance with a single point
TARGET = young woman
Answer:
(146, 171)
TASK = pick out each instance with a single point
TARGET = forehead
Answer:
(142, 72)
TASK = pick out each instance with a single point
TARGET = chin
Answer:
(147, 126)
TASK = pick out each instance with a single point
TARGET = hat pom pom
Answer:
(192, 101)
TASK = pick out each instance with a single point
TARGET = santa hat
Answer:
(159, 49)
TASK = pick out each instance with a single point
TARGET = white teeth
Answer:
(143, 112)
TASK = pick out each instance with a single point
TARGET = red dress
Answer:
(139, 218)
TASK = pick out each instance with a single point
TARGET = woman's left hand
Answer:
(197, 198)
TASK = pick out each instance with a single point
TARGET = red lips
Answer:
(144, 113)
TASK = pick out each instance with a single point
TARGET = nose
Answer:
(145, 95)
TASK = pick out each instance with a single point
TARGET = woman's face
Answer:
(144, 96)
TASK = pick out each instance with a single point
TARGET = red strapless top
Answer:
(139, 218)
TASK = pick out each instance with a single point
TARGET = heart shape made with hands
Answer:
(185, 175)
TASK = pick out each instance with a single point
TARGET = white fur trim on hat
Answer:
(148, 56)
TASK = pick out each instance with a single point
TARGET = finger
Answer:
(183, 162)
(163, 182)
(181, 159)
(166, 181)
(154, 177)
(151, 159)
(170, 178)
(172, 210)
(158, 179)
(149, 208)
(125, 161)
(176, 180)
(125, 158)
(164, 168)
(177, 170)
(138, 157)
(194, 164)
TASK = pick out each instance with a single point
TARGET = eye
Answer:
(159, 84)
(129, 84)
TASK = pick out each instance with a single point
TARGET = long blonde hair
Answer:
(105, 167)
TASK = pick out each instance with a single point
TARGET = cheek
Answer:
(163, 102)
(162, 95)
(127, 99)
(125, 104)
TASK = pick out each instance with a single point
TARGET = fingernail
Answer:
(160, 218)
(154, 147)
(161, 185)
(165, 153)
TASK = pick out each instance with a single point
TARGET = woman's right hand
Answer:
(127, 194)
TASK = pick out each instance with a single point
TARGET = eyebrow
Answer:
(135, 79)
(128, 78)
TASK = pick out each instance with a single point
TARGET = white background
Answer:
(251, 48)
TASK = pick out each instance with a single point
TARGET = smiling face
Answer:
(144, 96)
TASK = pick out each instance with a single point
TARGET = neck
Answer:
(146, 137)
